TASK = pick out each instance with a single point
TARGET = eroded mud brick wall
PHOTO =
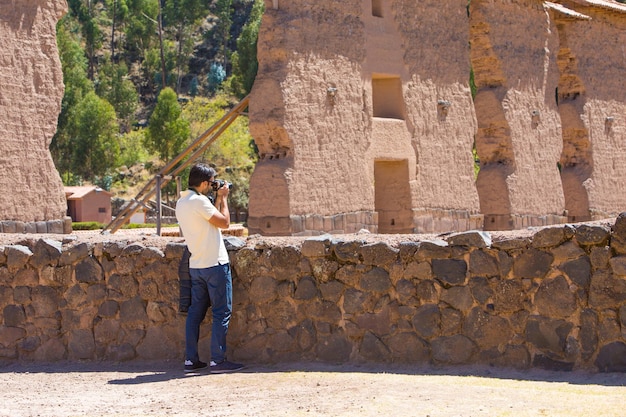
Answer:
(519, 140)
(555, 299)
(31, 80)
(359, 122)
(363, 114)
(592, 104)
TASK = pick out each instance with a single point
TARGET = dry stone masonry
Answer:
(366, 112)
(555, 299)
(31, 89)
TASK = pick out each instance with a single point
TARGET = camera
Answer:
(217, 184)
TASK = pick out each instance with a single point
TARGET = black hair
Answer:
(200, 173)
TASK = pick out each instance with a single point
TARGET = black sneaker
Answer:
(225, 366)
(194, 366)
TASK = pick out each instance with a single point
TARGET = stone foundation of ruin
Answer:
(553, 299)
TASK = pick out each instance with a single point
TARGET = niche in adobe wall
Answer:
(387, 96)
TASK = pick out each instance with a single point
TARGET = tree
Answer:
(233, 153)
(223, 11)
(141, 26)
(244, 60)
(84, 12)
(74, 65)
(117, 89)
(118, 12)
(167, 131)
(95, 148)
(183, 16)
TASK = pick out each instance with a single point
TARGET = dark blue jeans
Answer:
(216, 284)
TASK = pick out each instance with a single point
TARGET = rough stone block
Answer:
(592, 235)
(486, 330)
(89, 271)
(378, 253)
(548, 335)
(316, 246)
(30, 227)
(450, 271)
(472, 238)
(532, 263)
(606, 290)
(555, 299)
(459, 298)
(376, 280)
(549, 237)
(612, 357)
(453, 350)
(482, 263)
(578, 270)
(427, 320)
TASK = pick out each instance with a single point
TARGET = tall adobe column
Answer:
(513, 48)
(31, 90)
(438, 98)
(306, 117)
(592, 103)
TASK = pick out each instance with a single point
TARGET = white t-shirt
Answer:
(204, 240)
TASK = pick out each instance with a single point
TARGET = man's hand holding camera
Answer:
(220, 185)
(222, 189)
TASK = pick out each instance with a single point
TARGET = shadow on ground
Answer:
(151, 372)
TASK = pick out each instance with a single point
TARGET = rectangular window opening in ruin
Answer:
(377, 8)
(387, 96)
(275, 4)
(392, 196)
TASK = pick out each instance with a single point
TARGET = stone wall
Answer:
(365, 107)
(553, 299)
(31, 89)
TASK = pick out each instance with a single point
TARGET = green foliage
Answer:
(132, 150)
(476, 160)
(87, 226)
(112, 70)
(216, 77)
(244, 60)
(84, 144)
(92, 35)
(141, 25)
(233, 154)
(117, 89)
(77, 86)
(103, 182)
(223, 10)
(167, 132)
(184, 17)
(95, 148)
(152, 64)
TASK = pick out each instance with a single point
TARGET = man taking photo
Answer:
(211, 282)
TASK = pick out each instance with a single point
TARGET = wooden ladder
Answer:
(172, 169)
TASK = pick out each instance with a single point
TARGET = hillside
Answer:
(143, 78)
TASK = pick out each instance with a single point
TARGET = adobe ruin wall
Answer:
(552, 299)
(364, 115)
(31, 80)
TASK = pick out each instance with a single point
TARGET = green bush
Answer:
(87, 225)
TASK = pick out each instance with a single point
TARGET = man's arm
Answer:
(221, 218)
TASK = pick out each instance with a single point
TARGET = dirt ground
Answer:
(163, 389)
